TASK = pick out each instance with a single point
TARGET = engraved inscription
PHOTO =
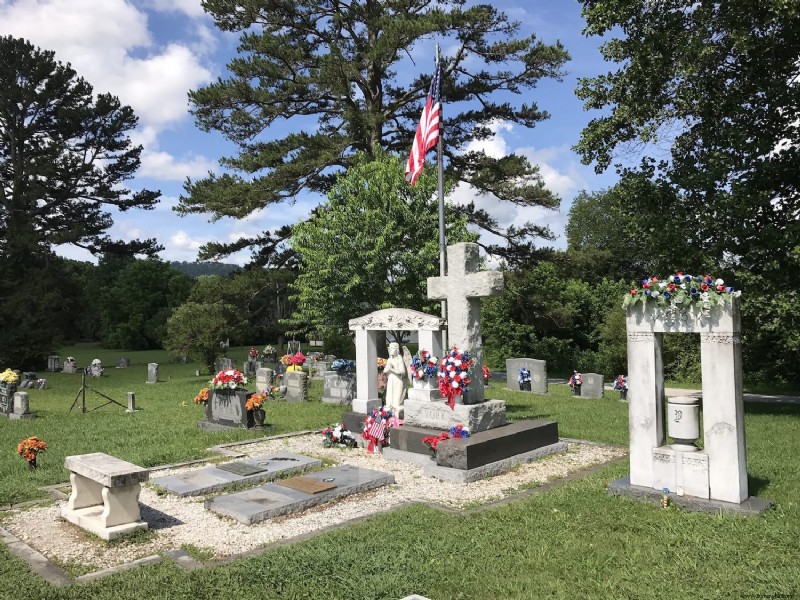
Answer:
(663, 458)
(639, 336)
(720, 428)
(678, 415)
(721, 338)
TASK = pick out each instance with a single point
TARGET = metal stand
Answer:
(82, 395)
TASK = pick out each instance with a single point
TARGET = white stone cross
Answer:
(462, 288)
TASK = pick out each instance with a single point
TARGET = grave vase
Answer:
(425, 384)
(32, 464)
(259, 414)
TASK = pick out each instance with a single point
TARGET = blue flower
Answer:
(645, 281)
(667, 295)
(729, 289)
(693, 291)
(687, 278)
(647, 292)
(676, 279)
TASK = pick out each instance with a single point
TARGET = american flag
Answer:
(428, 130)
(376, 432)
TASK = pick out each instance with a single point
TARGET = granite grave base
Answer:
(273, 499)
(753, 506)
(479, 448)
(218, 477)
(431, 469)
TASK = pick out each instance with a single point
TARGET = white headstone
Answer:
(152, 373)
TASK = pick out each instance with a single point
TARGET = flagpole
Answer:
(442, 240)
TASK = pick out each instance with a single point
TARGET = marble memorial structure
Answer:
(715, 477)
(493, 445)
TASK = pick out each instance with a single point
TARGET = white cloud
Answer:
(191, 8)
(103, 41)
(164, 166)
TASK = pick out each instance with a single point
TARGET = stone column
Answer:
(432, 342)
(646, 403)
(366, 398)
(723, 416)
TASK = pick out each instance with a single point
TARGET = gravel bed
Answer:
(178, 521)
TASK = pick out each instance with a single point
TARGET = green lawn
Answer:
(573, 541)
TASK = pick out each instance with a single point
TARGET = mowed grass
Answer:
(162, 431)
(573, 541)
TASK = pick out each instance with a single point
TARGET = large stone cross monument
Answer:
(462, 288)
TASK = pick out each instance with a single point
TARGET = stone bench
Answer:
(105, 494)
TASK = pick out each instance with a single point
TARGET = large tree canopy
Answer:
(372, 245)
(331, 69)
(64, 155)
(708, 92)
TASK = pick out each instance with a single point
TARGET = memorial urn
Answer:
(683, 422)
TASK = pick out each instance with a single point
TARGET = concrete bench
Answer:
(105, 494)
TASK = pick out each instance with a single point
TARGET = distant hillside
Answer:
(196, 269)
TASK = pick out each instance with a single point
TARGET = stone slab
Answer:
(409, 438)
(496, 444)
(272, 500)
(752, 506)
(431, 469)
(439, 415)
(212, 479)
(106, 470)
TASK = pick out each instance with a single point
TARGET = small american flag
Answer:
(428, 130)
(376, 431)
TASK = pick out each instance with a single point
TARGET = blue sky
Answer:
(150, 53)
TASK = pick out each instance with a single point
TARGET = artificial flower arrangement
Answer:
(338, 435)
(257, 400)
(456, 432)
(294, 362)
(202, 397)
(253, 353)
(268, 351)
(381, 364)
(29, 448)
(432, 441)
(376, 428)
(8, 376)
(621, 383)
(343, 365)
(682, 289)
(229, 379)
(487, 374)
(424, 366)
(454, 377)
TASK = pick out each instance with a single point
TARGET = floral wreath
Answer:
(454, 377)
(682, 289)
(424, 366)
(228, 379)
